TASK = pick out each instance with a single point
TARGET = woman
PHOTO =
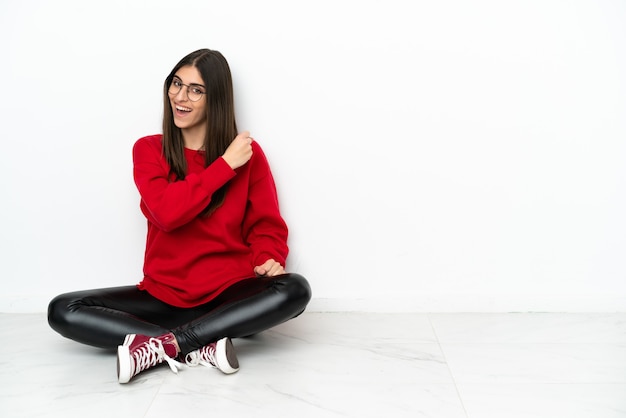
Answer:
(216, 243)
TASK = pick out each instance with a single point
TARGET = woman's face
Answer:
(188, 114)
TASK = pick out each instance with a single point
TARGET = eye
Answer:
(177, 83)
(197, 90)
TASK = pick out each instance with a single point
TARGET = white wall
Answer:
(430, 155)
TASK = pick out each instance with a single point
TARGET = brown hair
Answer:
(220, 117)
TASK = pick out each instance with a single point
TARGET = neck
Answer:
(194, 137)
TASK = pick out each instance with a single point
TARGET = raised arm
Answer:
(171, 204)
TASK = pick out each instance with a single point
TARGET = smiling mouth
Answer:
(182, 108)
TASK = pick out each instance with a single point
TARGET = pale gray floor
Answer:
(341, 365)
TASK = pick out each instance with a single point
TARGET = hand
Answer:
(269, 268)
(239, 151)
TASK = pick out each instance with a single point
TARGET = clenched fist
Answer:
(239, 151)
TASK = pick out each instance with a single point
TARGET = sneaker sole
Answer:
(226, 357)
(123, 360)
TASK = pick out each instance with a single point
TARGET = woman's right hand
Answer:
(239, 151)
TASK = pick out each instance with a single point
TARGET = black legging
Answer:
(103, 317)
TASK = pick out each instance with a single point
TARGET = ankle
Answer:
(170, 344)
(175, 342)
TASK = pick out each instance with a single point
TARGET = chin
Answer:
(181, 124)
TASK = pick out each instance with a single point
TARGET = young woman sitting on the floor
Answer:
(216, 245)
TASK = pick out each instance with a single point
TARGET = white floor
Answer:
(341, 365)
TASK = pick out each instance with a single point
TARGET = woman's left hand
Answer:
(269, 268)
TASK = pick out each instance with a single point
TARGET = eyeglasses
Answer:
(194, 91)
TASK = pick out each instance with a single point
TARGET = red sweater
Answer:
(189, 258)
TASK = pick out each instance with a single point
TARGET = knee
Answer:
(298, 289)
(56, 312)
(59, 309)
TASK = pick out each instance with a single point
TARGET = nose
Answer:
(181, 96)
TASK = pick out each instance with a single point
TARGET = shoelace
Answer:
(151, 354)
(196, 357)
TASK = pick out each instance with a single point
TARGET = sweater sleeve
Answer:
(264, 229)
(166, 204)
